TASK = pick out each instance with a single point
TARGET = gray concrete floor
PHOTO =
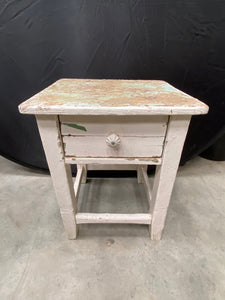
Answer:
(112, 262)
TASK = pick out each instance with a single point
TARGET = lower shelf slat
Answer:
(82, 218)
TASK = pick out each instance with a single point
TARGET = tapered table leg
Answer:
(60, 172)
(166, 172)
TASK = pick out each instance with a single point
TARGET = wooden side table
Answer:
(103, 123)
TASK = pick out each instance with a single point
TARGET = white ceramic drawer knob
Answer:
(113, 140)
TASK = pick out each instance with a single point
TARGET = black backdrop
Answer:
(182, 42)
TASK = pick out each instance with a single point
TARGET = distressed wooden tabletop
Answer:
(112, 97)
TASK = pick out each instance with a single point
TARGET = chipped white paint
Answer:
(112, 97)
(122, 125)
(146, 121)
(166, 173)
(96, 146)
(83, 218)
(114, 160)
(60, 172)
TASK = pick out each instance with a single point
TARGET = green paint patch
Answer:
(79, 127)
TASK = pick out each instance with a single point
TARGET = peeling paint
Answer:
(154, 159)
(76, 126)
(93, 95)
(149, 158)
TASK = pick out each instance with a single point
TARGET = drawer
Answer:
(97, 146)
(123, 125)
(133, 136)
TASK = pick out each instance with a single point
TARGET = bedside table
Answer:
(116, 124)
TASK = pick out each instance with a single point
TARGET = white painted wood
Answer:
(111, 167)
(132, 112)
(110, 160)
(122, 125)
(147, 186)
(112, 97)
(60, 172)
(84, 175)
(139, 173)
(77, 181)
(115, 111)
(83, 218)
(96, 146)
(166, 173)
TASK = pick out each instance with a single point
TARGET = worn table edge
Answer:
(130, 110)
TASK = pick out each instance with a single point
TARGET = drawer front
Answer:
(96, 146)
(123, 125)
(91, 136)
